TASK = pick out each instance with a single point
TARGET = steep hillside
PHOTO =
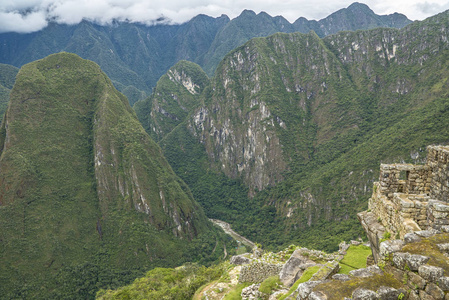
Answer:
(249, 25)
(7, 77)
(135, 56)
(86, 197)
(176, 94)
(303, 122)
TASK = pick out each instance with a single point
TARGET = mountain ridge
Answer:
(86, 197)
(135, 56)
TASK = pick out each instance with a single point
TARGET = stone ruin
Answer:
(408, 198)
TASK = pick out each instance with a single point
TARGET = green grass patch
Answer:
(269, 284)
(236, 292)
(355, 258)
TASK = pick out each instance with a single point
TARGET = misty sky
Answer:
(33, 15)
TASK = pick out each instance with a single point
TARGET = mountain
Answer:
(7, 77)
(176, 94)
(249, 25)
(86, 197)
(285, 140)
(135, 56)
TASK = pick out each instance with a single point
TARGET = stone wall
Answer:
(259, 271)
(404, 178)
(437, 160)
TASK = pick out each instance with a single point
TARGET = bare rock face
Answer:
(291, 268)
(364, 294)
(240, 260)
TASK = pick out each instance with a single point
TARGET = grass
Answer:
(269, 284)
(355, 258)
(235, 294)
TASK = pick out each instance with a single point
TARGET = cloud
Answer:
(21, 22)
(33, 15)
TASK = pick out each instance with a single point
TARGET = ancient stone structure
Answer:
(259, 271)
(408, 198)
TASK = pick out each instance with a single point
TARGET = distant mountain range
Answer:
(135, 56)
(298, 124)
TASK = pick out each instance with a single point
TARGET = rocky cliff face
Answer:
(303, 115)
(174, 97)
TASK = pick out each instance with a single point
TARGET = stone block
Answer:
(391, 246)
(443, 283)
(430, 273)
(389, 293)
(416, 281)
(364, 294)
(443, 247)
(433, 290)
(413, 295)
(427, 233)
(424, 296)
(304, 289)
(366, 272)
(411, 238)
(341, 277)
(317, 296)
(291, 268)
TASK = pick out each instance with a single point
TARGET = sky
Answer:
(33, 15)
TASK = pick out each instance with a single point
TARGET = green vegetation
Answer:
(355, 258)
(235, 294)
(340, 124)
(87, 201)
(164, 283)
(7, 77)
(269, 284)
(337, 290)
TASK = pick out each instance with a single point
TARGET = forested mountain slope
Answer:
(300, 123)
(86, 197)
(135, 56)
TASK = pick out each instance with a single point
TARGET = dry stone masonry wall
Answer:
(410, 198)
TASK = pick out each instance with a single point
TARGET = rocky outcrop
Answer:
(293, 268)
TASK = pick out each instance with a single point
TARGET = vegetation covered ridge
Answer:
(86, 198)
(286, 139)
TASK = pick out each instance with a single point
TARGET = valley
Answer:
(129, 151)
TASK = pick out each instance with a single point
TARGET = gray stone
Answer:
(389, 293)
(291, 268)
(305, 288)
(240, 260)
(414, 261)
(433, 290)
(400, 259)
(430, 273)
(443, 247)
(251, 292)
(445, 228)
(416, 281)
(366, 272)
(326, 271)
(413, 295)
(364, 294)
(317, 296)
(411, 238)
(427, 233)
(388, 247)
(341, 277)
(443, 283)
(424, 296)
